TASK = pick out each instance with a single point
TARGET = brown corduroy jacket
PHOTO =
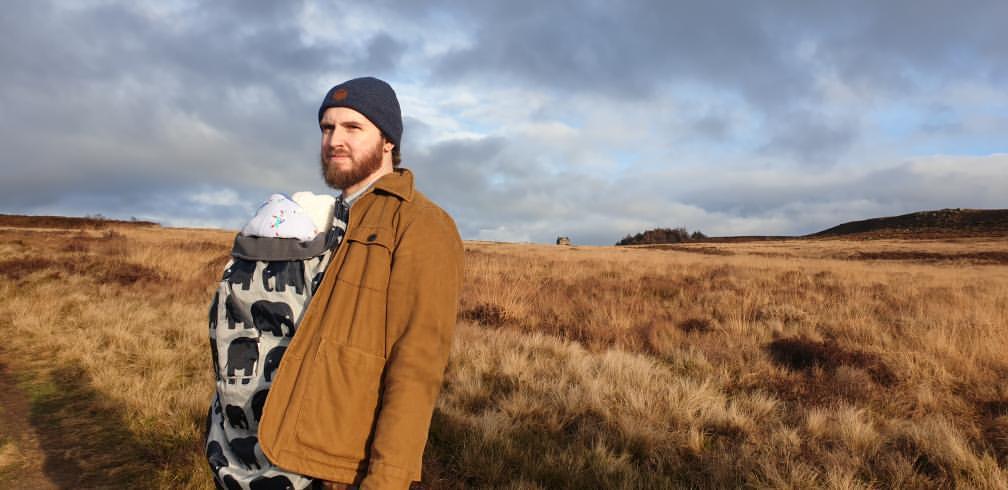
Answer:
(353, 396)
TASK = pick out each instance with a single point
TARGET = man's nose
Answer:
(335, 140)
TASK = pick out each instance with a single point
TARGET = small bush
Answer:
(486, 314)
(662, 235)
(805, 354)
(698, 325)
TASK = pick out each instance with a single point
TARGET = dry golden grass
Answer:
(111, 325)
(788, 364)
(771, 364)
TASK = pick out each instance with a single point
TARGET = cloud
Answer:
(821, 140)
(149, 102)
(524, 120)
(774, 58)
(717, 202)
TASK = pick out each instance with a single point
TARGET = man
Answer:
(351, 402)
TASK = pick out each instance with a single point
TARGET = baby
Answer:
(303, 216)
(277, 263)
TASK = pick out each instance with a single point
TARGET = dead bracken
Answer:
(16, 269)
(488, 315)
(803, 354)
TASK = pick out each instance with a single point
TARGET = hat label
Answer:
(339, 95)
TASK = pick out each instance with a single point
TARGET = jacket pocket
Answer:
(369, 257)
(341, 402)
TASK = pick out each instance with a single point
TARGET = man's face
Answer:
(353, 148)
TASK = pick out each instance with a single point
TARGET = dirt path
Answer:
(21, 455)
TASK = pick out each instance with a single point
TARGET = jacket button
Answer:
(372, 237)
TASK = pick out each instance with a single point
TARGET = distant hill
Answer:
(944, 222)
(97, 221)
(923, 224)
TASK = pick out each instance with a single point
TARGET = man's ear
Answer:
(387, 146)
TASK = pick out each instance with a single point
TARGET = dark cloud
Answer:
(769, 54)
(383, 54)
(620, 49)
(627, 50)
(110, 98)
(890, 44)
(712, 126)
(810, 138)
(127, 110)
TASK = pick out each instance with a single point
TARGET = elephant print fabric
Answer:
(253, 316)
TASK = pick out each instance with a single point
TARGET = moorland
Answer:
(815, 363)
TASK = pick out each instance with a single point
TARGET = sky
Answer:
(524, 120)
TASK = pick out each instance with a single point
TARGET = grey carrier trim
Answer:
(264, 248)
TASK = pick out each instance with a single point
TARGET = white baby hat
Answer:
(280, 217)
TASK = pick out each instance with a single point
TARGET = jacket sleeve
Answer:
(424, 284)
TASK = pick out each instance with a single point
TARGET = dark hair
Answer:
(396, 157)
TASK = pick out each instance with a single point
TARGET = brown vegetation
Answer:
(771, 364)
(965, 257)
(107, 330)
(92, 222)
(928, 224)
(777, 364)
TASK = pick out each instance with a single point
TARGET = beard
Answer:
(360, 169)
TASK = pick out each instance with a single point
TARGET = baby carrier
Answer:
(264, 291)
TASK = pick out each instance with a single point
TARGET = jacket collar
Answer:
(399, 183)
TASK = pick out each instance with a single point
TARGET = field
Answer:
(780, 364)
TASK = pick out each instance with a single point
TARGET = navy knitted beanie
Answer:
(369, 96)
